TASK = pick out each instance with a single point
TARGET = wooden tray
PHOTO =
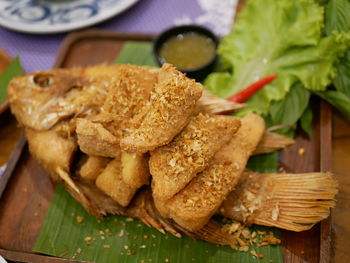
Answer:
(28, 193)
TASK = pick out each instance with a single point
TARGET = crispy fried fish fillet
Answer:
(92, 167)
(173, 101)
(174, 165)
(126, 98)
(130, 93)
(193, 206)
(94, 139)
(111, 182)
(135, 171)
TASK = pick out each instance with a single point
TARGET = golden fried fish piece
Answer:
(94, 139)
(172, 102)
(174, 165)
(126, 98)
(135, 171)
(193, 206)
(92, 167)
(111, 182)
(130, 93)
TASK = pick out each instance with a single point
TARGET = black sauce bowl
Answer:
(198, 73)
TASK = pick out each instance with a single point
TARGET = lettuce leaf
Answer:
(284, 38)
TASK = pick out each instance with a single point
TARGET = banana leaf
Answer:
(69, 232)
(14, 69)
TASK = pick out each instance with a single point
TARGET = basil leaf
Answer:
(342, 80)
(338, 99)
(289, 110)
(306, 121)
(337, 16)
(264, 163)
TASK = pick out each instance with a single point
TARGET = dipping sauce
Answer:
(188, 50)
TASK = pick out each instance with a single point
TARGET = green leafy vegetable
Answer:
(337, 16)
(264, 163)
(14, 69)
(286, 38)
(338, 19)
(136, 53)
(342, 81)
(338, 99)
(219, 83)
(289, 110)
(306, 121)
(322, 2)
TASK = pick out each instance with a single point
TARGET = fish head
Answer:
(40, 92)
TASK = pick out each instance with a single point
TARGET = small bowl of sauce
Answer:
(190, 48)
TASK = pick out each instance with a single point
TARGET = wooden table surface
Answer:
(9, 133)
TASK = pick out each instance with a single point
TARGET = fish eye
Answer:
(43, 80)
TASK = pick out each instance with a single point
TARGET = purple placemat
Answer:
(38, 52)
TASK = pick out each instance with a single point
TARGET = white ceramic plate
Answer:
(53, 16)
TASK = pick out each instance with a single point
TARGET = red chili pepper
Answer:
(249, 91)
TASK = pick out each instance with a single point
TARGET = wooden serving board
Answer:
(26, 197)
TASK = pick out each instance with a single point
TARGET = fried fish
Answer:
(193, 206)
(174, 165)
(92, 167)
(93, 128)
(294, 202)
(173, 101)
(111, 182)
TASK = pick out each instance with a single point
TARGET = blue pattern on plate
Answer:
(52, 12)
